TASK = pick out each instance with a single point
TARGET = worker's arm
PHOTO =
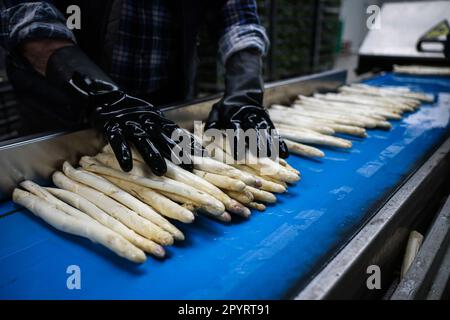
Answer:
(33, 29)
(38, 32)
(242, 44)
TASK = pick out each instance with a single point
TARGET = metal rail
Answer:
(429, 274)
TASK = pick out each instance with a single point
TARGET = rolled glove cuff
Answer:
(69, 61)
(65, 61)
(244, 83)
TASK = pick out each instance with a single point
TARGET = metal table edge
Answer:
(329, 279)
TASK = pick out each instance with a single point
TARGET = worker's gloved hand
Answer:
(123, 118)
(241, 107)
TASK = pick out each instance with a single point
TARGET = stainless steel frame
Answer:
(429, 275)
(37, 157)
(383, 239)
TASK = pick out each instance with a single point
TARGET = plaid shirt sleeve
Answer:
(241, 29)
(24, 20)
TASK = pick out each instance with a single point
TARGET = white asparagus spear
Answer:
(363, 101)
(266, 184)
(261, 195)
(411, 103)
(313, 108)
(101, 184)
(102, 217)
(338, 105)
(179, 174)
(350, 130)
(42, 193)
(182, 176)
(221, 155)
(181, 199)
(369, 120)
(422, 70)
(221, 181)
(395, 103)
(285, 164)
(269, 167)
(221, 162)
(394, 91)
(140, 175)
(258, 173)
(145, 210)
(208, 165)
(257, 206)
(366, 106)
(289, 167)
(412, 249)
(265, 165)
(195, 207)
(115, 209)
(214, 166)
(189, 207)
(353, 120)
(224, 217)
(91, 215)
(154, 199)
(298, 110)
(280, 117)
(367, 111)
(338, 128)
(372, 91)
(279, 114)
(353, 111)
(80, 227)
(270, 186)
(336, 118)
(244, 197)
(303, 150)
(315, 138)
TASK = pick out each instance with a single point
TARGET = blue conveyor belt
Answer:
(263, 258)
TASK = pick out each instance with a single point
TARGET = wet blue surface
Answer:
(262, 258)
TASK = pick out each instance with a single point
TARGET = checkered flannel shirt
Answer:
(146, 36)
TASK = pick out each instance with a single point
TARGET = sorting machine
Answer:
(351, 210)
(405, 33)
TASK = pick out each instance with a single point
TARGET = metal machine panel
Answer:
(401, 26)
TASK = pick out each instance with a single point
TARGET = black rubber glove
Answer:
(241, 107)
(119, 116)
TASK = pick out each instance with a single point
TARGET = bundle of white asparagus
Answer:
(355, 109)
(422, 70)
(129, 212)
